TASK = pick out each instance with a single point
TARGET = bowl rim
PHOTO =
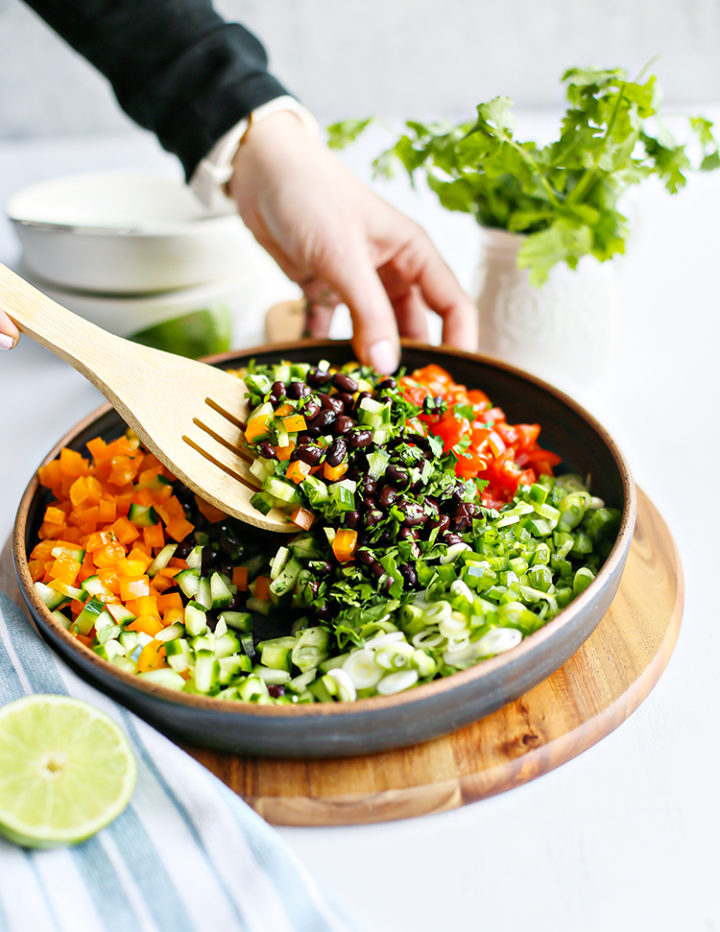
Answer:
(377, 704)
(214, 222)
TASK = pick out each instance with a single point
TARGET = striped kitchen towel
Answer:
(187, 854)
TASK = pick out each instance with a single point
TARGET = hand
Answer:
(9, 333)
(342, 243)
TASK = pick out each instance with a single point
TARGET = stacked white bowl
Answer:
(138, 255)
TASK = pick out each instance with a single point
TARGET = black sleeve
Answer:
(176, 67)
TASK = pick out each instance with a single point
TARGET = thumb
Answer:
(9, 333)
(375, 334)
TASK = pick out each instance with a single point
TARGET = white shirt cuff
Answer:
(215, 170)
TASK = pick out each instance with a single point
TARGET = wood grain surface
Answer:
(586, 699)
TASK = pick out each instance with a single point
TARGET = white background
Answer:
(625, 836)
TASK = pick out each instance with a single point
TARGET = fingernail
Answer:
(6, 342)
(383, 357)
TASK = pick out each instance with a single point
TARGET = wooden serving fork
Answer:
(189, 414)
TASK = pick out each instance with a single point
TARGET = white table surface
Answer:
(625, 836)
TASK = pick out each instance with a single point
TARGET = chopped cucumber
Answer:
(51, 597)
(220, 593)
(188, 581)
(195, 619)
(143, 515)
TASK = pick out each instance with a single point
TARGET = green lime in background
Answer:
(66, 771)
(199, 333)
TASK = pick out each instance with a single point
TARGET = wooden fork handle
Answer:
(77, 341)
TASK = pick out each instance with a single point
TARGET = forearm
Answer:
(176, 67)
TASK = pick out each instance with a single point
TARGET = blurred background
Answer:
(394, 57)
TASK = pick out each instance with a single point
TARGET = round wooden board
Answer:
(586, 699)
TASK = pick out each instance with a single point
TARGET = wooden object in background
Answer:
(285, 322)
(582, 702)
(173, 404)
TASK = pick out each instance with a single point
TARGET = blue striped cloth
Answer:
(187, 854)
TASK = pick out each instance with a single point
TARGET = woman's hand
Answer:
(342, 243)
(9, 333)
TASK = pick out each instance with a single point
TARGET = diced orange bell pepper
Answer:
(297, 471)
(302, 517)
(257, 427)
(345, 544)
(262, 588)
(179, 529)
(240, 578)
(134, 588)
(284, 410)
(209, 511)
(334, 473)
(73, 463)
(294, 423)
(283, 453)
(109, 555)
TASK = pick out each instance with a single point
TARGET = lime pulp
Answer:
(66, 771)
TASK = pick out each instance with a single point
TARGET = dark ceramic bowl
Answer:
(335, 730)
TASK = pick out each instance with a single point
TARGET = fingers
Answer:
(411, 314)
(9, 333)
(418, 263)
(375, 335)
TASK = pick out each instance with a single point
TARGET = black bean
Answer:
(331, 403)
(184, 548)
(343, 424)
(472, 508)
(323, 567)
(276, 691)
(451, 539)
(351, 519)
(420, 441)
(226, 569)
(298, 390)
(309, 454)
(412, 512)
(304, 439)
(409, 574)
(344, 383)
(369, 486)
(336, 452)
(317, 377)
(310, 409)
(442, 524)
(361, 397)
(238, 601)
(387, 497)
(324, 418)
(462, 523)
(397, 475)
(323, 611)
(273, 399)
(279, 389)
(348, 402)
(387, 383)
(431, 507)
(365, 557)
(385, 539)
(360, 439)
(267, 450)
(372, 516)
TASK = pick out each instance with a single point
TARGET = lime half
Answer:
(199, 333)
(66, 771)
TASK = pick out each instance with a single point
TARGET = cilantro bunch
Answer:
(564, 196)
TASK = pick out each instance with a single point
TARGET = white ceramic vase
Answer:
(564, 331)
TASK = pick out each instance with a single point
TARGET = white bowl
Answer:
(125, 233)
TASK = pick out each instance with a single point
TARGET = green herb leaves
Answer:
(564, 196)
